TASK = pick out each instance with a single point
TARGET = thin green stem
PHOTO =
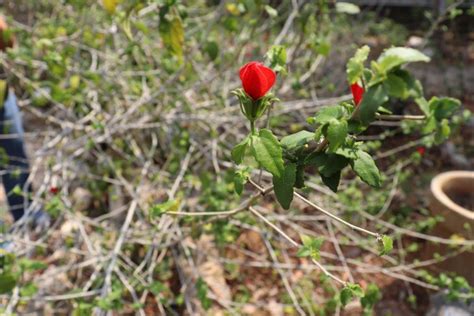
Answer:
(252, 127)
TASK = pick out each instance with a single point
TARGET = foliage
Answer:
(133, 104)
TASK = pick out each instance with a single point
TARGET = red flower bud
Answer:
(421, 150)
(357, 93)
(54, 190)
(256, 79)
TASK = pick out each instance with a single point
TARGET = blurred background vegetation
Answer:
(128, 113)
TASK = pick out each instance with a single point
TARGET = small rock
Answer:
(82, 199)
(415, 41)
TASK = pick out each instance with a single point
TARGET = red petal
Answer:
(357, 93)
(256, 79)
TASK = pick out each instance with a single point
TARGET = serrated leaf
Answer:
(238, 152)
(374, 97)
(355, 65)
(283, 186)
(397, 56)
(387, 245)
(364, 166)
(336, 133)
(267, 151)
(296, 140)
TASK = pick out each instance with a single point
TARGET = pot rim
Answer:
(440, 180)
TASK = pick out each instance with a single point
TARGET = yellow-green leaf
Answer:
(110, 5)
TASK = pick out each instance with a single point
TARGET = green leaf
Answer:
(348, 150)
(328, 113)
(374, 97)
(327, 164)
(371, 297)
(31, 265)
(397, 56)
(333, 164)
(413, 86)
(332, 181)
(28, 290)
(355, 65)
(396, 87)
(267, 151)
(443, 107)
(238, 152)
(212, 49)
(364, 166)
(311, 247)
(3, 89)
(168, 206)
(322, 46)
(336, 133)
(349, 291)
(283, 186)
(423, 105)
(7, 283)
(202, 289)
(271, 11)
(299, 182)
(345, 296)
(387, 245)
(172, 32)
(110, 5)
(442, 132)
(346, 7)
(296, 140)
(240, 178)
(157, 287)
(276, 57)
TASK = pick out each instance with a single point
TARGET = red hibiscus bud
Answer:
(357, 93)
(256, 79)
(54, 190)
(421, 150)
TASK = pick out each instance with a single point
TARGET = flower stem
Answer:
(252, 128)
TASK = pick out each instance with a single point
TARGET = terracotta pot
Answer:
(451, 193)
